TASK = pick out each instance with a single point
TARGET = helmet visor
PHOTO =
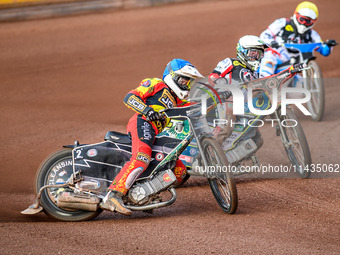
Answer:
(255, 54)
(305, 20)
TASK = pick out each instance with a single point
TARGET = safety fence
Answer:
(5, 4)
(12, 10)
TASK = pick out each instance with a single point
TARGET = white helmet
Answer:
(305, 15)
(179, 75)
(250, 50)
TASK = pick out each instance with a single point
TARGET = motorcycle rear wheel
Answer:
(223, 185)
(314, 84)
(57, 168)
(297, 150)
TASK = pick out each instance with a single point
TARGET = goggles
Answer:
(305, 20)
(184, 82)
(254, 54)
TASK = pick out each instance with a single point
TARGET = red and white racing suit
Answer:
(235, 73)
(150, 94)
(233, 70)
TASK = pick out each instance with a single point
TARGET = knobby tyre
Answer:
(297, 149)
(314, 83)
(56, 169)
(222, 185)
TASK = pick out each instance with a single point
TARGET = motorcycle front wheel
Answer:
(222, 185)
(314, 84)
(296, 146)
(56, 169)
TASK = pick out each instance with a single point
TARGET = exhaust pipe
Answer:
(69, 200)
(36, 208)
(157, 205)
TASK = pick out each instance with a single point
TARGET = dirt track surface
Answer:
(65, 79)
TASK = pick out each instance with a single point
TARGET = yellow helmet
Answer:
(305, 15)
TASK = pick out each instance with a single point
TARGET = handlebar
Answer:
(303, 47)
(308, 47)
(331, 43)
(171, 113)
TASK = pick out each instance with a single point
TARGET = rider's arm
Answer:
(213, 77)
(222, 70)
(135, 99)
(271, 33)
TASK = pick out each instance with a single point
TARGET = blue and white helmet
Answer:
(179, 75)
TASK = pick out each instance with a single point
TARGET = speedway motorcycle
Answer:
(241, 145)
(310, 78)
(72, 182)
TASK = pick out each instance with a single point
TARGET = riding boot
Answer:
(113, 201)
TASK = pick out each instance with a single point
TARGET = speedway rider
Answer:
(250, 50)
(146, 100)
(297, 29)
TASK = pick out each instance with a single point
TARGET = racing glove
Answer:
(331, 43)
(152, 115)
(274, 44)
